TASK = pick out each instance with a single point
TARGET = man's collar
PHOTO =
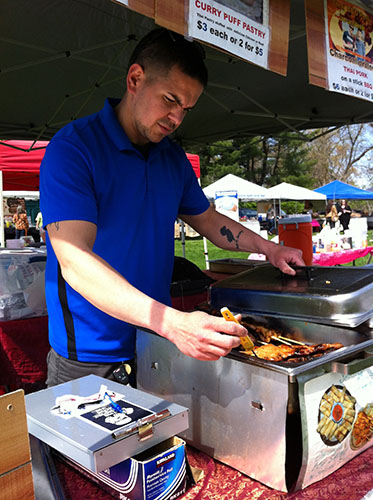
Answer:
(116, 133)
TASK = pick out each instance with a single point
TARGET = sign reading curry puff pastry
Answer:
(336, 415)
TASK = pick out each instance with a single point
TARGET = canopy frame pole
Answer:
(206, 253)
(182, 234)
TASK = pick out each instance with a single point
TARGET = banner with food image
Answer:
(337, 421)
(349, 47)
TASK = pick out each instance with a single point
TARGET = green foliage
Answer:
(265, 161)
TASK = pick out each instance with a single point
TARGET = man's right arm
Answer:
(196, 334)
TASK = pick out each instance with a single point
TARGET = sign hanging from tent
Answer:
(226, 202)
(349, 43)
(233, 25)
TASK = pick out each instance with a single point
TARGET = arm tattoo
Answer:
(224, 231)
(57, 225)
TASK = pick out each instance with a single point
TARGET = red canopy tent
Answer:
(20, 165)
(19, 170)
(194, 160)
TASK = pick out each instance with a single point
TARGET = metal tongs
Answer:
(246, 342)
(305, 272)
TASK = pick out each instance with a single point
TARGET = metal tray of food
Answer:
(329, 295)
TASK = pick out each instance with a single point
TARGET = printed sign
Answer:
(226, 202)
(110, 419)
(337, 421)
(349, 42)
(233, 25)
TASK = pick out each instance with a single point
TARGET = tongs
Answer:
(246, 342)
(300, 272)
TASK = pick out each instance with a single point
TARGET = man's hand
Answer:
(230, 235)
(281, 256)
(202, 336)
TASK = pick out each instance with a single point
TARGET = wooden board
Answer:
(144, 7)
(15, 458)
(315, 27)
(17, 484)
(279, 23)
(173, 16)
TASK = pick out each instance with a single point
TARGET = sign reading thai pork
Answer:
(349, 42)
(236, 26)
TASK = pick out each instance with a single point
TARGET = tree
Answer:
(345, 154)
(266, 161)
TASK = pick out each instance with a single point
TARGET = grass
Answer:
(194, 252)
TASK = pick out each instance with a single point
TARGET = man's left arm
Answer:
(231, 235)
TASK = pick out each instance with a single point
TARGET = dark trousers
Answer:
(19, 233)
(345, 220)
(62, 370)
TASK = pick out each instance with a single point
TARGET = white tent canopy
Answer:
(246, 191)
(286, 191)
(27, 195)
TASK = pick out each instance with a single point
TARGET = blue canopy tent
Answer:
(338, 190)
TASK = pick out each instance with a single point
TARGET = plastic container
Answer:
(296, 232)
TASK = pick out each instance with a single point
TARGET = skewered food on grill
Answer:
(294, 353)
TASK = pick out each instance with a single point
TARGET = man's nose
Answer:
(176, 116)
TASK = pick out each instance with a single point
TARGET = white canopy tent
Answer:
(286, 191)
(246, 191)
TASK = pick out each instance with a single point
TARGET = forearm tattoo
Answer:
(224, 231)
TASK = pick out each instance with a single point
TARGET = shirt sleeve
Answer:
(66, 183)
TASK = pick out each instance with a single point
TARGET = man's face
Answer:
(160, 104)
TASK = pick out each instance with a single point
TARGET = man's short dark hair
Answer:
(162, 49)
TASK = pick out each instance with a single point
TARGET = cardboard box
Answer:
(159, 472)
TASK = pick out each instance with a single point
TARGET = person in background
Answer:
(360, 44)
(344, 213)
(39, 225)
(349, 39)
(20, 222)
(104, 280)
(331, 214)
(308, 207)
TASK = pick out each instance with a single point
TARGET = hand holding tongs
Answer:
(300, 272)
(246, 342)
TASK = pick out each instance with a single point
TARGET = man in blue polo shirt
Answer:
(112, 185)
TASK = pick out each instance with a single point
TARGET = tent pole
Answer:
(2, 235)
(206, 253)
(182, 229)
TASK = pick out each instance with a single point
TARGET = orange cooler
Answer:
(296, 232)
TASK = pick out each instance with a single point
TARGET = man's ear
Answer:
(135, 76)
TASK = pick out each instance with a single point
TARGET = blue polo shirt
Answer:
(92, 172)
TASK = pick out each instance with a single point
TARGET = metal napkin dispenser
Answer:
(104, 432)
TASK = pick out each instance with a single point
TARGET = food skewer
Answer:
(281, 339)
(291, 340)
(246, 342)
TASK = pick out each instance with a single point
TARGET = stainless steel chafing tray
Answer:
(328, 295)
(258, 416)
